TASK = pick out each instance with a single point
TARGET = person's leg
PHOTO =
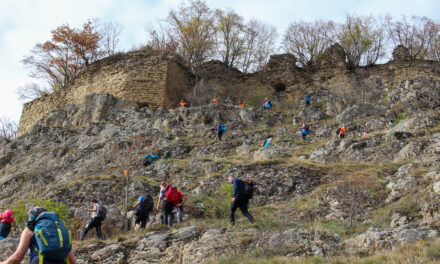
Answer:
(168, 208)
(98, 228)
(244, 209)
(5, 228)
(86, 229)
(179, 214)
(144, 220)
(232, 209)
(164, 213)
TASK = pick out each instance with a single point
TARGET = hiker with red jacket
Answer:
(6, 220)
(173, 198)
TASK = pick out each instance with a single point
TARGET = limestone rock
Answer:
(266, 153)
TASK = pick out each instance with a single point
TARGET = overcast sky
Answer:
(23, 23)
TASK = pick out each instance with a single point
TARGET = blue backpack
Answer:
(222, 128)
(53, 239)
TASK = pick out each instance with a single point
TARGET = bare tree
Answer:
(8, 128)
(31, 91)
(230, 37)
(417, 34)
(306, 40)
(110, 36)
(259, 43)
(362, 38)
(162, 39)
(193, 26)
(127, 154)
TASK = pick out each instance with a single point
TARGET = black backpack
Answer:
(148, 203)
(102, 212)
(249, 189)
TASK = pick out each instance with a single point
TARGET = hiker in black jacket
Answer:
(239, 200)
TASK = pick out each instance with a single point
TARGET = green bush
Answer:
(21, 216)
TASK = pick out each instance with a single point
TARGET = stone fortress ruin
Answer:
(156, 79)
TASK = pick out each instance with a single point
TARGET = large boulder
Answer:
(360, 111)
(266, 153)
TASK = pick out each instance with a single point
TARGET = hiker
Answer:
(220, 128)
(241, 105)
(215, 100)
(6, 220)
(33, 234)
(341, 131)
(144, 206)
(240, 199)
(307, 99)
(173, 198)
(267, 104)
(390, 124)
(149, 159)
(162, 195)
(95, 221)
(304, 130)
(268, 141)
(182, 104)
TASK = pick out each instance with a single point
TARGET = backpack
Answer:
(222, 128)
(53, 239)
(147, 204)
(249, 189)
(171, 195)
(102, 212)
(145, 158)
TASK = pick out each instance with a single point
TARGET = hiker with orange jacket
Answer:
(215, 100)
(173, 198)
(182, 104)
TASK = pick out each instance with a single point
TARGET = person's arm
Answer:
(72, 259)
(136, 204)
(95, 209)
(183, 201)
(22, 247)
(159, 201)
(235, 187)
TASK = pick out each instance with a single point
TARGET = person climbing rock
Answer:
(268, 141)
(182, 104)
(341, 131)
(390, 124)
(267, 104)
(144, 207)
(149, 159)
(173, 198)
(40, 224)
(221, 129)
(240, 199)
(307, 99)
(162, 197)
(304, 130)
(95, 221)
(6, 220)
(215, 100)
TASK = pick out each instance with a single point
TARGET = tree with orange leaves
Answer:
(60, 60)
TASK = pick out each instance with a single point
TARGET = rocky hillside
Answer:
(323, 199)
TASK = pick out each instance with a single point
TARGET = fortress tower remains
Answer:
(149, 78)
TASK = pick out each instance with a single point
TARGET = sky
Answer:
(24, 23)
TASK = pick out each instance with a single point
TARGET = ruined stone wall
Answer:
(149, 78)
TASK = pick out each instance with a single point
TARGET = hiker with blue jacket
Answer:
(149, 159)
(304, 130)
(144, 207)
(243, 191)
(51, 251)
(220, 128)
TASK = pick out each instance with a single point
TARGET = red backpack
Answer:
(172, 195)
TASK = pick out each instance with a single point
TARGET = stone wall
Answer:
(149, 78)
